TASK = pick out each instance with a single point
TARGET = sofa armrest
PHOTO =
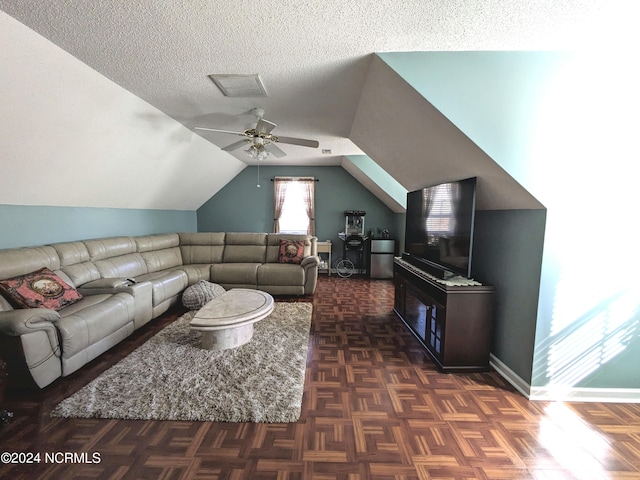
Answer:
(310, 265)
(28, 320)
(141, 292)
(105, 283)
(112, 285)
(29, 344)
(310, 261)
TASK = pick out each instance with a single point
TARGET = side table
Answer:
(325, 247)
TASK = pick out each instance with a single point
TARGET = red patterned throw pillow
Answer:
(291, 251)
(39, 289)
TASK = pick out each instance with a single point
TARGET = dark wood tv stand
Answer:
(453, 323)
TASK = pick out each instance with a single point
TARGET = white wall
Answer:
(71, 137)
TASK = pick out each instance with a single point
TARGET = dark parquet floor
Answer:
(374, 407)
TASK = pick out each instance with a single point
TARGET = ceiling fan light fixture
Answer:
(257, 152)
(238, 85)
(260, 135)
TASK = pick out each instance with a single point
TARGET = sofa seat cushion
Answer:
(235, 273)
(39, 289)
(280, 274)
(93, 318)
(164, 284)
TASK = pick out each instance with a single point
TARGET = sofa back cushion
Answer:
(202, 247)
(76, 263)
(245, 248)
(20, 261)
(116, 257)
(162, 259)
(160, 252)
(123, 266)
(102, 248)
(149, 243)
(273, 245)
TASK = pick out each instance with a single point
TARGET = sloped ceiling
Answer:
(68, 122)
(385, 126)
(71, 137)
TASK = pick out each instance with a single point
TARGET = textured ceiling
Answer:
(312, 56)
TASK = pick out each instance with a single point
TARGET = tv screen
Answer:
(439, 227)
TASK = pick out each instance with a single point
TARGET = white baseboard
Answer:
(509, 375)
(578, 394)
(564, 393)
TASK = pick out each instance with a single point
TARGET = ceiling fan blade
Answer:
(275, 151)
(265, 126)
(234, 145)
(218, 130)
(299, 141)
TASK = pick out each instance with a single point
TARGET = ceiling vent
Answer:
(239, 86)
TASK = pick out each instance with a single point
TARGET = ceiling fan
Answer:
(260, 140)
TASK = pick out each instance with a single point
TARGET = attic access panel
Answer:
(239, 86)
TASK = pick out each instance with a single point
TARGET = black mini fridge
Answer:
(382, 251)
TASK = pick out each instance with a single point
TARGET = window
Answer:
(438, 205)
(294, 209)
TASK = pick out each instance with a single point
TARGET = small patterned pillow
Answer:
(39, 289)
(199, 294)
(291, 251)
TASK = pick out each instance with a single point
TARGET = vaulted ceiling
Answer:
(313, 57)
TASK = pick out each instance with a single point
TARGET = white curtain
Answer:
(284, 184)
(279, 195)
(309, 194)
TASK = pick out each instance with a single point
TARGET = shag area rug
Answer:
(170, 377)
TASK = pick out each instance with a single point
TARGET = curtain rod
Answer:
(296, 178)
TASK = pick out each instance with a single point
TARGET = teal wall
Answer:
(563, 125)
(243, 207)
(493, 97)
(24, 226)
(507, 253)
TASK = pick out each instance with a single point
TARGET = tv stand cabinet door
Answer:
(436, 328)
(454, 325)
(423, 315)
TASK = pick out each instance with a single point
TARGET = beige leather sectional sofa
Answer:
(127, 281)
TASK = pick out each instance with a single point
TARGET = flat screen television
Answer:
(439, 228)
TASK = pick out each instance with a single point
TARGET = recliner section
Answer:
(128, 281)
